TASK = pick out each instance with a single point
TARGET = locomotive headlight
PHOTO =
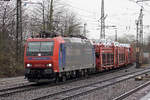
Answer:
(29, 65)
(49, 65)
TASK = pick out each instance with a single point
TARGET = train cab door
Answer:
(62, 56)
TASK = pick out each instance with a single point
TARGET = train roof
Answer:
(108, 42)
(39, 39)
(105, 42)
(75, 40)
(61, 39)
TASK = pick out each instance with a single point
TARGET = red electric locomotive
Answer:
(58, 58)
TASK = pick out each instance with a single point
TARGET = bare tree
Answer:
(63, 21)
(7, 23)
(8, 36)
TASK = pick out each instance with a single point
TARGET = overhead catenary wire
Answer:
(82, 10)
(79, 8)
(89, 18)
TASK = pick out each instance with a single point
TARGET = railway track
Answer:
(34, 86)
(127, 94)
(85, 89)
(12, 90)
(24, 88)
(31, 86)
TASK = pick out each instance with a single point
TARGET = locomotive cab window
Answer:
(43, 48)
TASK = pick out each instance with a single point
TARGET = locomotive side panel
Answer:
(78, 56)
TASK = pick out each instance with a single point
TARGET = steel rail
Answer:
(18, 89)
(92, 87)
(9, 91)
(127, 94)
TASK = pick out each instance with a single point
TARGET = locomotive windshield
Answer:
(40, 48)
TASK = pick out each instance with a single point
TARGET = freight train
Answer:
(60, 58)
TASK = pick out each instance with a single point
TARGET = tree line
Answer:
(53, 17)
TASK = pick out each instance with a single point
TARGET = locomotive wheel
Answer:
(86, 73)
(77, 74)
(30, 80)
(57, 79)
(82, 73)
(63, 78)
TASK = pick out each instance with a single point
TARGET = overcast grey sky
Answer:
(121, 13)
